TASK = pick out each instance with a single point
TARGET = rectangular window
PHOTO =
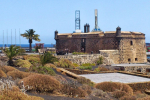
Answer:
(129, 60)
(136, 59)
(131, 43)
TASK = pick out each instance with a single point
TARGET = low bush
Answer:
(33, 59)
(78, 53)
(145, 98)
(119, 94)
(47, 58)
(73, 90)
(2, 74)
(100, 60)
(42, 83)
(113, 86)
(83, 80)
(50, 65)
(43, 70)
(64, 63)
(128, 98)
(22, 63)
(8, 68)
(86, 88)
(88, 64)
(99, 69)
(75, 65)
(18, 74)
(86, 67)
(97, 92)
(15, 94)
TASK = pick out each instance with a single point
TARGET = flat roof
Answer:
(115, 77)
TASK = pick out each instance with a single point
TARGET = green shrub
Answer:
(100, 60)
(64, 63)
(43, 70)
(47, 58)
(88, 64)
(75, 65)
(22, 63)
(78, 53)
(86, 67)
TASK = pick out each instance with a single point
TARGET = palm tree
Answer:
(11, 52)
(29, 34)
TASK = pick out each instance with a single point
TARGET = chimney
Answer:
(118, 31)
(88, 28)
(56, 33)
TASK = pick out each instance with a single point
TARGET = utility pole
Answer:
(15, 37)
(3, 39)
(7, 37)
(11, 36)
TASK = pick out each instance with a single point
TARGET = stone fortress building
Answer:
(121, 46)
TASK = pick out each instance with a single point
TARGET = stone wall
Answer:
(113, 55)
(132, 51)
(89, 58)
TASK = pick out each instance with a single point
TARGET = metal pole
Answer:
(15, 37)
(7, 37)
(11, 36)
(19, 38)
(3, 39)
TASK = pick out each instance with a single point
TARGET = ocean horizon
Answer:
(27, 45)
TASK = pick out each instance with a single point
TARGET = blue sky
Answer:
(46, 16)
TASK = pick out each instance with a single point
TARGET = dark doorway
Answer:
(83, 43)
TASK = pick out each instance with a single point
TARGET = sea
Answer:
(27, 45)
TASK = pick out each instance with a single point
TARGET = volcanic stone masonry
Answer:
(121, 46)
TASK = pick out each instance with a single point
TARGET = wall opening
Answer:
(139, 70)
(131, 43)
(147, 70)
(129, 60)
(136, 59)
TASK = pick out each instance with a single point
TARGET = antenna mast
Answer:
(15, 37)
(7, 37)
(11, 36)
(3, 39)
(77, 21)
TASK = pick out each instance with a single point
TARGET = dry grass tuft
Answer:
(83, 80)
(113, 86)
(8, 68)
(99, 69)
(128, 98)
(145, 98)
(50, 65)
(18, 74)
(33, 59)
(119, 94)
(2, 74)
(65, 63)
(15, 94)
(73, 90)
(42, 83)
(22, 63)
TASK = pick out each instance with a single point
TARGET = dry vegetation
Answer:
(64, 63)
(42, 83)
(18, 74)
(15, 94)
(8, 68)
(113, 86)
(2, 74)
(22, 63)
(50, 65)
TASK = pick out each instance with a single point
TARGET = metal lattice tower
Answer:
(77, 20)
